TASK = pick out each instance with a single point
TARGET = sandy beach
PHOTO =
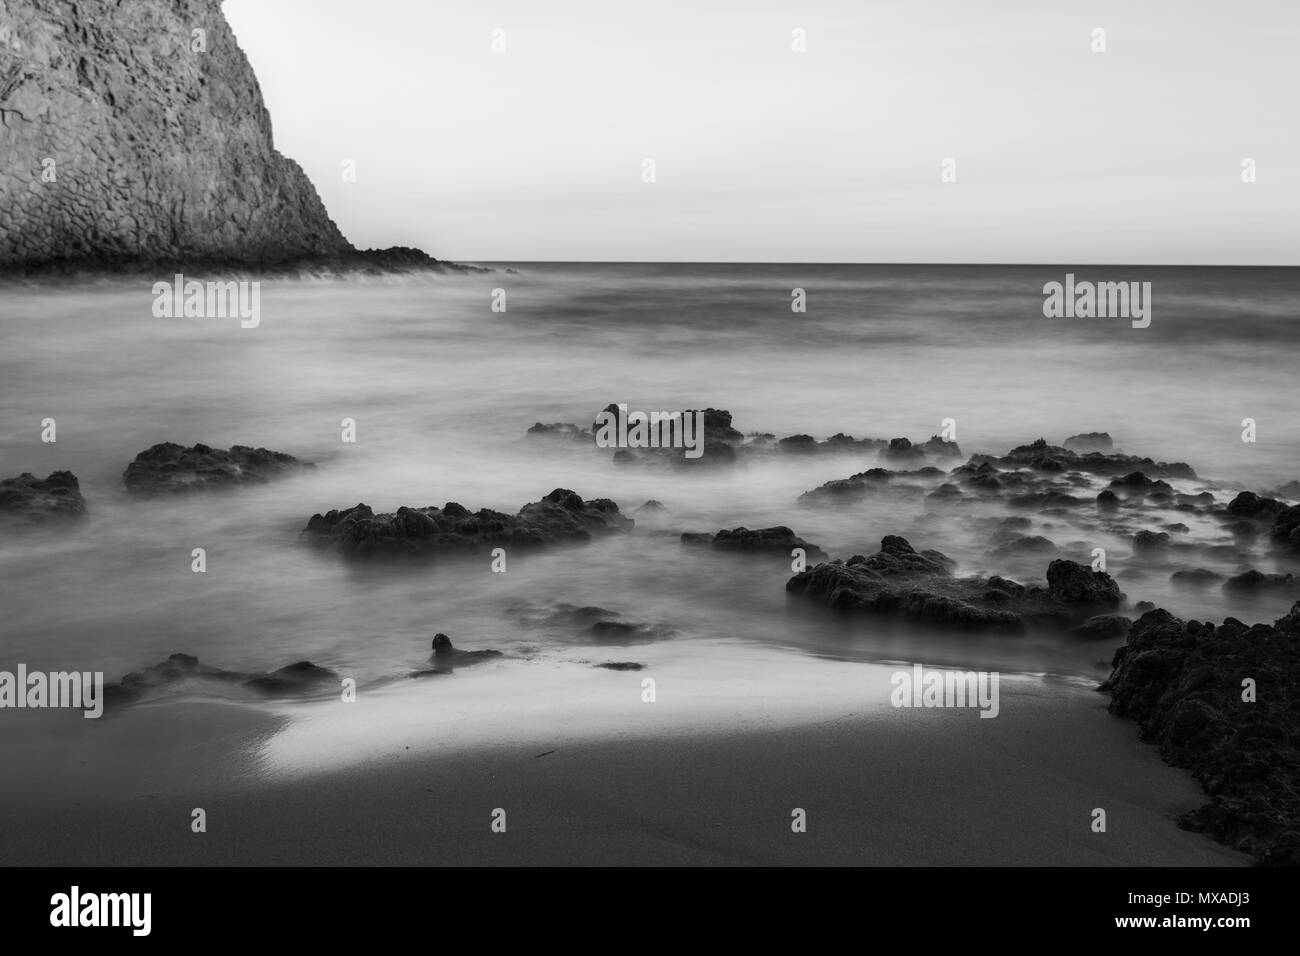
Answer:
(588, 773)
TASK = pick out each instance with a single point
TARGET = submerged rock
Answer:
(30, 501)
(1196, 577)
(446, 657)
(181, 671)
(170, 468)
(920, 586)
(1089, 441)
(1151, 541)
(562, 430)
(594, 624)
(561, 517)
(779, 540)
(302, 677)
(1221, 702)
(1253, 580)
(1103, 627)
(1286, 530)
(1250, 505)
(1095, 462)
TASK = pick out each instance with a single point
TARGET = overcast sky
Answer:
(763, 154)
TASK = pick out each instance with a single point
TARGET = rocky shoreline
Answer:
(1182, 682)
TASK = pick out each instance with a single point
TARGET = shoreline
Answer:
(412, 773)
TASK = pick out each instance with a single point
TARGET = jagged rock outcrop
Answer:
(1221, 701)
(136, 131)
(30, 501)
(920, 586)
(422, 533)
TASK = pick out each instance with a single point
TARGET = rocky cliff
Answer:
(134, 130)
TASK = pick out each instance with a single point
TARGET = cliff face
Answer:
(126, 134)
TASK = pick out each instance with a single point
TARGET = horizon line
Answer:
(801, 262)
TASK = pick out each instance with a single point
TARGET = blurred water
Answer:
(443, 389)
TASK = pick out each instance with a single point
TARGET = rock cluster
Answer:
(1223, 702)
(561, 517)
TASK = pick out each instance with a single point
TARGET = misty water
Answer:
(443, 390)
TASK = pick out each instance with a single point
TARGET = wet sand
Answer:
(589, 773)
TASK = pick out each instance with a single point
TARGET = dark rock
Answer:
(184, 671)
(1196, 577)
(1089, 441)
(1076, 586)
(1286, 529)
(1151, 540)
(446, 657)
(1107, 500)
(561, 517)
(1138, 482)
(299, 678)
(1250, 505)
(1103, 627)
(1183, 684)
(170, 468)
(621, 666)
(921, 587)
(936, 447)
(1253, 580)
(1096, 463)
(901, 450)
(1290, 491)
(31, 501)
(778, 540)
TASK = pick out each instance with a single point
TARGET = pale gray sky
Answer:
(763, 154)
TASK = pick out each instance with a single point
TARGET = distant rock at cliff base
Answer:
(28, 501)
(169, 468)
